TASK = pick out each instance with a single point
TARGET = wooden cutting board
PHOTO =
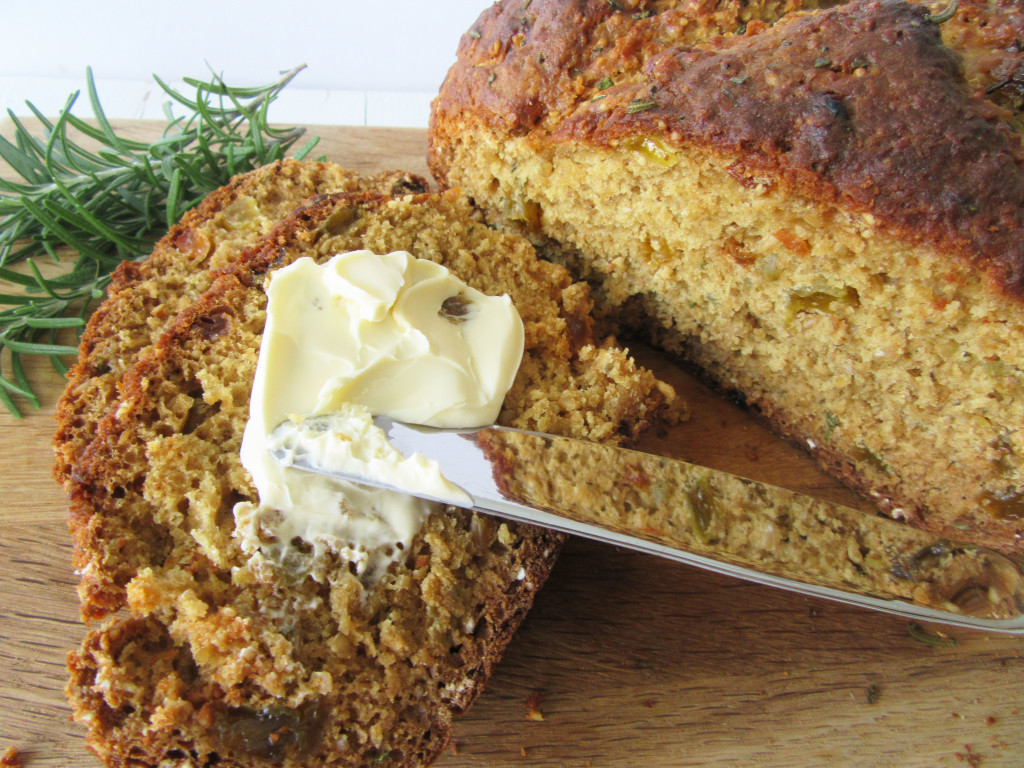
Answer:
(629, 660)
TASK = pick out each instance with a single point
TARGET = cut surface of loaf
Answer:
(144, 296)
(825, 214)
(227, 658)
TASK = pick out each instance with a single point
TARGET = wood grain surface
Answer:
(625, 660)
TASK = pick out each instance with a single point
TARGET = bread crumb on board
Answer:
(533, 702)
(11, 758)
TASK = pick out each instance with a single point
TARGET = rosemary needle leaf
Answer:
(22, 381)
(17, 158)
(54, 322)
(111, 138)
(36, 348)
(14, 300)
(303, 152)
(76, 191)
(173, 197)
(41, 281)
(17, 277)
(7, 401)
(58, 365)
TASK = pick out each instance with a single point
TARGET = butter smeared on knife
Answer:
(695, 515)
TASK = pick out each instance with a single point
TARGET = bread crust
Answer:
(813, 103)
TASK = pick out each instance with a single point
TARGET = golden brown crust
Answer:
(527, 65)
(265, 664)
(861, 105)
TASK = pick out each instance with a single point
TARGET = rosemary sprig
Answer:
(87, 198)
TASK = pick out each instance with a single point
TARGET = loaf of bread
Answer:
(144, 296)
(227, 658)
(824, 212)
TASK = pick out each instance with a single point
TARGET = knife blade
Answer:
(706, 518)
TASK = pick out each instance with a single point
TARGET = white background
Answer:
(374, 62)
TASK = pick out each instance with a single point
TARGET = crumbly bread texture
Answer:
(143, 297)
(229, 660)
(825, 214)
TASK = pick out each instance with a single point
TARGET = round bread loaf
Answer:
(823, 211)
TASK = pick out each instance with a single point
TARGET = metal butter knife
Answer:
(711, 519)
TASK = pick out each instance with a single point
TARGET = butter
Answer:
(357, 336)
(347, 441)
